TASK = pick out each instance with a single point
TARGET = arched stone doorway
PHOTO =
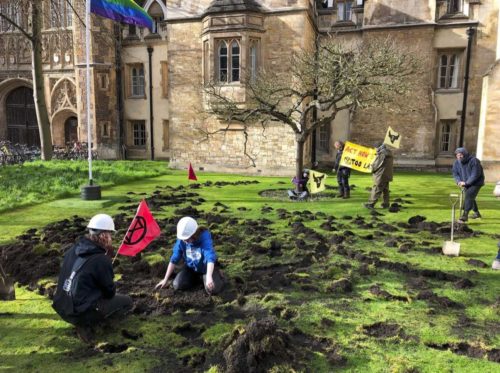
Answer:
(22, 125)
(71, 130)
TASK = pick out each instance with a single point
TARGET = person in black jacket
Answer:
(468, 174)
(86, 292)
(343, 173)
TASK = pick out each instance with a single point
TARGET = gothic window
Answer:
(137, 80)
(60, 13)
(254, 58)
(448, 70)
(9, 8)
(344, 10)
(455, 6)
(156, 12)
(228, 61)
(447, 138)
(138, 129)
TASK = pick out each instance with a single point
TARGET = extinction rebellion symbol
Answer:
(137, 231)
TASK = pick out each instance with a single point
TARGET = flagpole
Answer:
(87, 55)
(90, 191)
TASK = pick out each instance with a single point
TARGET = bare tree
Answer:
(332, 78)
(26, 16)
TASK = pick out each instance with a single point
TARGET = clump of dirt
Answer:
(259, 348)
(464, 283)
(342, 285)
(477, 263)
(383, 330)
(379, 292)
(431, 297)
(466, 349)
(109, 348)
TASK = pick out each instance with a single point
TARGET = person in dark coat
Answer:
(86, 293)
(468, 174)
(382, 173)
(343, 173)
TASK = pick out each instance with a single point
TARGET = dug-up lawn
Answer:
(317, 286)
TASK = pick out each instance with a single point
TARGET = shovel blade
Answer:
(7, 291)
(451, 248)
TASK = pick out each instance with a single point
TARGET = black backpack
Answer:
(63, 300)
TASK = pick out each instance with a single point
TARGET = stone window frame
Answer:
(105, 129)
(324, 138)
(166, 134)
(455, 6)
(254, 57)
(131, 82)
(344, 12)
(13, 13)
(451, 83)
(60, 14)
(230, 69)
(103, 80)
(137, 134)
(164, 79)
(447, 136)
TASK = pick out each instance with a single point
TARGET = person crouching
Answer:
(86, 291)
(194, 246)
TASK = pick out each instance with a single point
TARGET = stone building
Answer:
(146, 86)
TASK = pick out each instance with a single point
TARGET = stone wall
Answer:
(412, 116)
(272, 149)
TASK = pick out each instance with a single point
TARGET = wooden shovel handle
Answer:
(2, 273)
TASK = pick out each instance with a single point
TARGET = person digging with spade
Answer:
(469, 175)
(86, 293)
(194, 246)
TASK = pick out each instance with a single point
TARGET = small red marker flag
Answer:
(191, 174)
(141, 232)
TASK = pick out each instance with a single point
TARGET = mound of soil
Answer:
(383, 330)
(261, 346)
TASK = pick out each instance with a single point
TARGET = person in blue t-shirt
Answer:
(193, 246)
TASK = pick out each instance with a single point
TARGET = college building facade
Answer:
(147, 97)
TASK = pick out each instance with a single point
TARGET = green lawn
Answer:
(33, 338)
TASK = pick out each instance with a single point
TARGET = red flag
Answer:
(141, 232)
(191, 174)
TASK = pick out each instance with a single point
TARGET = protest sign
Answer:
(358, 157)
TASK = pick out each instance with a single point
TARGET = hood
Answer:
(465, 153)
(86, 247)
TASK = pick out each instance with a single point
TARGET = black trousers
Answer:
(343, 179)
(470, 199)
(117, 306)
(187, 278)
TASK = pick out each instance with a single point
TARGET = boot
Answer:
(347, 194)
(341, 193)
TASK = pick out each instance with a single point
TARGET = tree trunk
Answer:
(299, 160)
(38, 82)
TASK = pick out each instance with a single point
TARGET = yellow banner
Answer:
(316, 182)
(392, 138)
(358, 157)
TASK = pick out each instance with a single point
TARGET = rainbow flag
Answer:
(126, 11)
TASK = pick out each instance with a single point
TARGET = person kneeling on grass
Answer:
(86, 292)
(193, 246)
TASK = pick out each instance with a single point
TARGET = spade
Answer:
(7, 291)
(450, 247)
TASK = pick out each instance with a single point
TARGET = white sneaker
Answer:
(496, 264)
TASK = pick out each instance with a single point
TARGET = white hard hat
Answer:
(186, 227)
(102, 222)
